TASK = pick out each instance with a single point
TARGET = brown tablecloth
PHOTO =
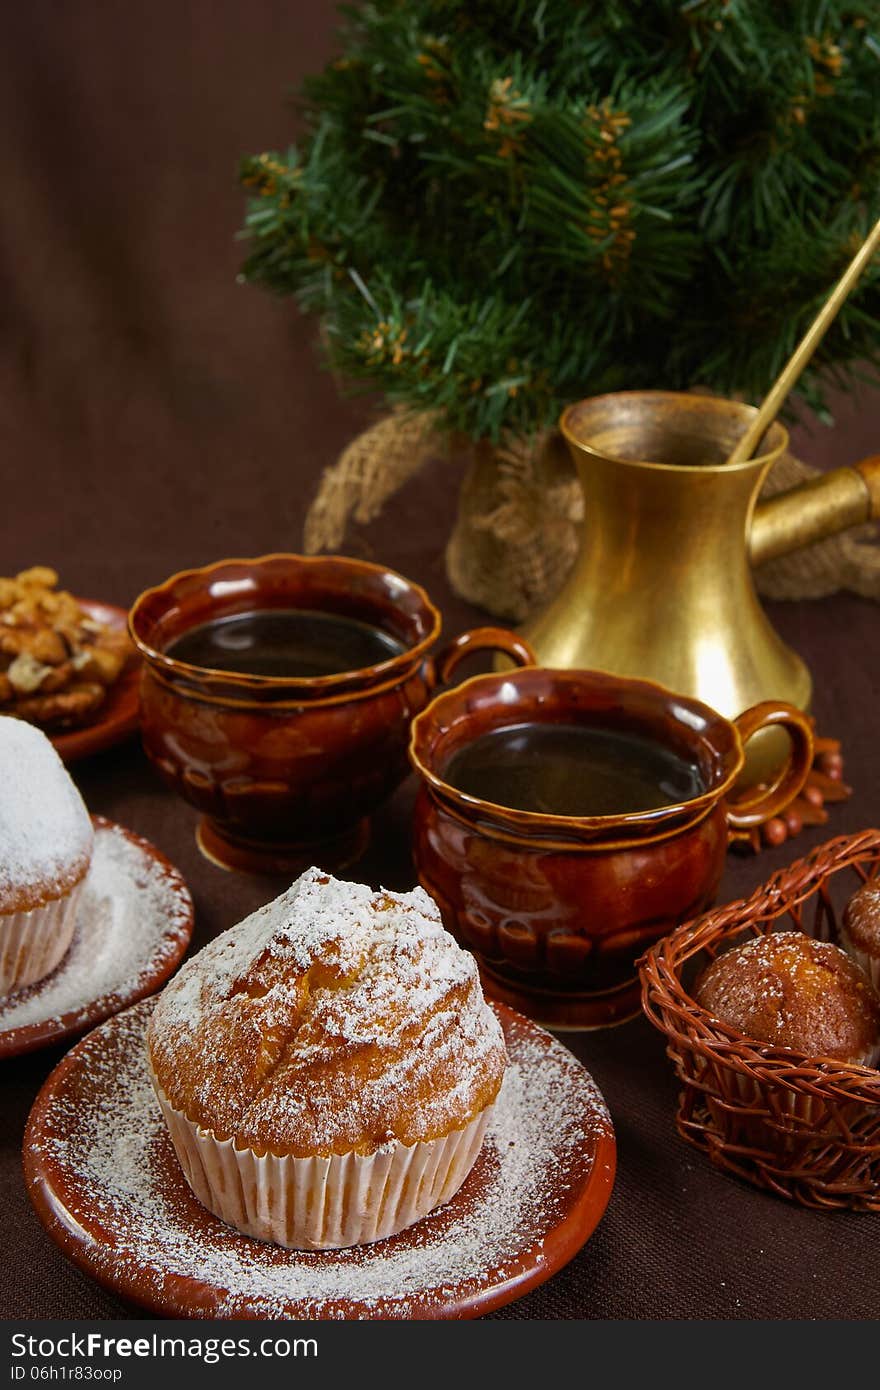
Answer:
(156, 415)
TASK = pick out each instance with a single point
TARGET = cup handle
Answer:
(761, 804)
(482, 639)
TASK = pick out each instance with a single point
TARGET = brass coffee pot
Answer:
(663, 586)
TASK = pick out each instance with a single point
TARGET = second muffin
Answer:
(46, 842)
(860, 930)
(327, 1068)
(788, 990)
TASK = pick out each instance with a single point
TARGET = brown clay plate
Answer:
(134, 923)
(117, 718)
(105, 1183)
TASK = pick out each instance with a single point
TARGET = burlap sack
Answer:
(520, 511)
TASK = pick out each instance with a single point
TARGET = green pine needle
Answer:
(503, 206)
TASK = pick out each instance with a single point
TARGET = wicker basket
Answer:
(806, 1129)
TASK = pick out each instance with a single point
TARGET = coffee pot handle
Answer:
(760, 804)
(481, 639)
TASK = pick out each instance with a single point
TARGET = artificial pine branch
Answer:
(504, 205)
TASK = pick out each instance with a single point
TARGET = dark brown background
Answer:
(157, 415)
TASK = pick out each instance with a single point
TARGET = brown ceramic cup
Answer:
(285, 770)
(558, 908)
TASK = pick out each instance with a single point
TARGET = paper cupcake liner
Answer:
(870, 964)
(810, 1113)
(324, 1203)
(33, 943)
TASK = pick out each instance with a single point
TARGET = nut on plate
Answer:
(56, 661)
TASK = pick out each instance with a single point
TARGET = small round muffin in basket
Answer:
(860, 930)
(791, 991)
(327, 1068)
(775, 1041)
(46, 841)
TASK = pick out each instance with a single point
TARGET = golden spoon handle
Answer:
(772, 402)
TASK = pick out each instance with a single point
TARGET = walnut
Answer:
(45, 645)
(56, 660)
(66, 707)
(26, 674)
(38, 577)
(11, 643)
(99, 665)
(57, 678)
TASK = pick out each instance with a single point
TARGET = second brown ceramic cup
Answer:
(558, 908)
(287, 770)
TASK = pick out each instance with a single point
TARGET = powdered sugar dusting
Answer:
(103, 1128)
(334, 1018)
(45, 830)
(133, 918)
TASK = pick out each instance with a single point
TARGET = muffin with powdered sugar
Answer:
(46, 842)
(328, 1067)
